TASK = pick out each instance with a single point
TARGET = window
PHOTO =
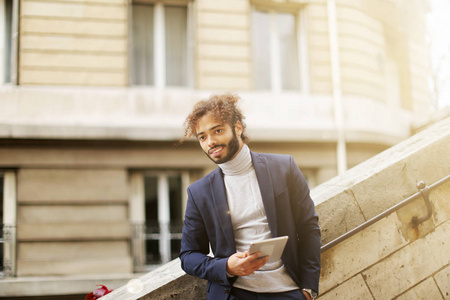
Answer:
(157, 231)
(7, 224)
(5, 40)
(160, 45)
(277, 45)
(2, 241)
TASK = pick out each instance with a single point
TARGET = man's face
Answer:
(218, 140)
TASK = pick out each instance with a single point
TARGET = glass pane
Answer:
(7, 41)
(143, 66)
(151, 198)
(261, 50)
(152, 255)
(176, 45)
(287, 35)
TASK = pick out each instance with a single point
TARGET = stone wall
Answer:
(73, 43)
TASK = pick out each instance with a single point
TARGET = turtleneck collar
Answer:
(239, 165)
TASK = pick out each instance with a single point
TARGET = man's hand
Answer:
(307, 295)
(243, 264)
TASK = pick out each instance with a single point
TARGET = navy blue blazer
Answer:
(289, 210)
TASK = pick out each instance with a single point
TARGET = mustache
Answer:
(217, 146)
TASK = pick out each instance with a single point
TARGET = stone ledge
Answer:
(57, 285)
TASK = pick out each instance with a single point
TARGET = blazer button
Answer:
(226, 292)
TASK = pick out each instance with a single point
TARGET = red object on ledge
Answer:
(97, 293)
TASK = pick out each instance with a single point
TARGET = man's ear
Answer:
(238, 128)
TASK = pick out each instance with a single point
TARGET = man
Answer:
(249, 197)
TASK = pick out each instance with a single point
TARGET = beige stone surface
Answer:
(222, 35)
(73, 10)
(86, 61)
(73, 267)
(75, 27)
(72, 77)
(73, 43)
(236, 20)
(353, 289)
(338, 215)
(213, 51)
(424, 291)
(356, 253)
(415, 262)
(72, 213)
(219, 67)
(231, 6)
(73, 250)
(72, 231)
(54, 185)
(442, 279)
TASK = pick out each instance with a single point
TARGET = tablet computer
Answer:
(272, 247)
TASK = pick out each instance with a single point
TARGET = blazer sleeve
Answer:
(195, 248)
(307, 227)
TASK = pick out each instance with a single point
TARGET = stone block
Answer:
(226, 20)
(222, 67)
(442, 279)
(424, 290)
(73, 250)
(417, 261)
(236, 52)
(365, 248)
(353, 289)
(72, 213)
(73, 231)
(54, 185)
(74, 27)
(338, 215)
(73, 10)
(103, 61)
(73, 43)
(223, 35)
(74, 267)
(230, 6)
(72, 77)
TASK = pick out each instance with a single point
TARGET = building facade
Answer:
(94, 94)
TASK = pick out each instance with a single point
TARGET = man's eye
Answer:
(219, 131)
(201, 138)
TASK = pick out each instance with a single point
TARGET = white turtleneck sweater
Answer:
(250, 224)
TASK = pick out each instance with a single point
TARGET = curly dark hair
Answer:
(223, 107)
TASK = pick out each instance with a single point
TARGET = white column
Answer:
(164, 217)
(302, 45)
(185, 181)
(337, 91)
(159, 46)
(2, 41)
(191, 42)
(137, 220)
(10, 221)
(275, 64)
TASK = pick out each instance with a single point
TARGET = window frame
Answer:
(299, 12)
(9, 226)
(159, 57)
(138, 219)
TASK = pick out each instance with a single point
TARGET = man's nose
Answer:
(211, 142)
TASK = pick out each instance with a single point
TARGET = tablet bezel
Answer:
(277, 247)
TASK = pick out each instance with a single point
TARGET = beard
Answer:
(232, 148)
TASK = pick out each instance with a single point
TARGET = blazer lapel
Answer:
(265, 185)
(222, 209)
